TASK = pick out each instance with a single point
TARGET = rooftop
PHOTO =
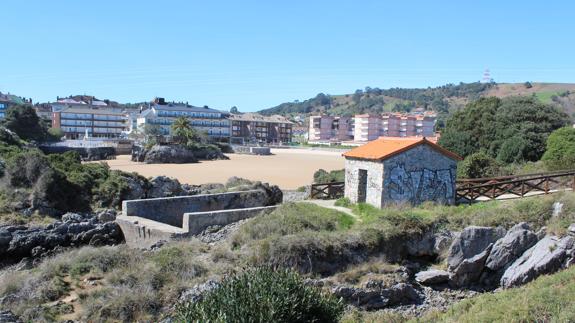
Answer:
(258, 117)
(91, 111)
(183, 107)
(384, 148)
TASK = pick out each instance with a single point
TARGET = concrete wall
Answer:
(199, 221)
(170, 210)
(419, 174)
(374, 180)
(141, 235)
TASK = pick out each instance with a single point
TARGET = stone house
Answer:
(389, 170)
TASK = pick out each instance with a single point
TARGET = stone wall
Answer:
(419, 174)
(199, 221)
(374, 180)
(170, 210)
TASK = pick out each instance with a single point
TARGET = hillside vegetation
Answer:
(443, 99)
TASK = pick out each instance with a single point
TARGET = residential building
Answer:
(330, 128)
(400, 170)
(252, 127)
(163, 114)
(6, 100)
(76, 122)
(367, 127)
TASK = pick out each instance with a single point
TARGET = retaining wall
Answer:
(199, 221)
(170, 210)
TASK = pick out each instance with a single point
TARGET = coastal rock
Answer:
(9, 317)
(163, 186)
(373, 299)
(472, 241)
(169, 155)
(17, 242)
(469, 270)
(432, 277)
(196, 293)
(547, 256)
(106, 215)
(512, 246)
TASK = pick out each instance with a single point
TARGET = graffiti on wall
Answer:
(420, 185)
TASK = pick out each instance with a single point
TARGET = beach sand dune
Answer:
(287, 168)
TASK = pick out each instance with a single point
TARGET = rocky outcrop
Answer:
(163, 186)
(74, 230)
(374, 299)
(469, 270)
(432, 277)
(9, 317)
(547, 256)
(512, 246)
(169, 155)
(472, 241)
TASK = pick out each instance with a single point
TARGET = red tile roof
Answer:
(384, 148)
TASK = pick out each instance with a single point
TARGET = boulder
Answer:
(71, 217)
(163, 186)
(17, 242)
(373, 299)
(432, 277)
(196, 293)
(512, 246)
(106, 215)
(545, 257)
(169, 155)
(469, 270)
(472, 241)
(571, 229)
(9, 317)
(136, 188)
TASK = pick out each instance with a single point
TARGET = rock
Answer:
(420, 246)
(512, 246)
(541, 233)
(136, 188)
(39, 242)
(9, 317)
(443, 240)
(107, 215)
(173, 154)
(196, 293)
(372, 299)
(469, 270)
(547, 256)
(472, 241)
(557, 209)
(163, 186)
(432, 277)
(5, 238)
(571, 229)
(72, 217)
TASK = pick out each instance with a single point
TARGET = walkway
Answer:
(330, 204)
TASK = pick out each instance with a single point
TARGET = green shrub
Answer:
(560, 153)
(322, 176)
(478, 165)
(263, 295)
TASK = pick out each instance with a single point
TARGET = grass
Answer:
(545, 96)
(547, 299)
(136, 285)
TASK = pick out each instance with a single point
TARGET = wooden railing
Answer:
(327, 191)
(514, 186)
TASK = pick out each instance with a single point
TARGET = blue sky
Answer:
(257, 54)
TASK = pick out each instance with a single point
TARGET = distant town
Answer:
(84, 117)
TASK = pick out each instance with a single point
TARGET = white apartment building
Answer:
(162, 114)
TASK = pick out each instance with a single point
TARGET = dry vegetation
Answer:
(121, 284)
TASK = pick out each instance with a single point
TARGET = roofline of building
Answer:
(406, 148)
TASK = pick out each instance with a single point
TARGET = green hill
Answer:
(442, 99)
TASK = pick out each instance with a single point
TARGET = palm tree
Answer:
(181, 129)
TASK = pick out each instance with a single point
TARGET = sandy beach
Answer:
(287, 168)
